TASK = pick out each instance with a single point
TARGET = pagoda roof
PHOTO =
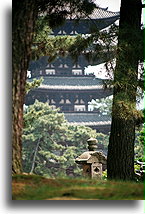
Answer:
(71, 83)
(100, 18)
(87, 119)
(101, 13)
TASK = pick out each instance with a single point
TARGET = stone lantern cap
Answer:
(91, 157)
(92, 144)
(92, 140)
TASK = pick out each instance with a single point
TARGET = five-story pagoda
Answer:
(65, 85)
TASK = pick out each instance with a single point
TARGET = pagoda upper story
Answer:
(65, 66)
(99, 19)
(62, 66)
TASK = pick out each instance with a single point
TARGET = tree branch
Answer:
(34, 158)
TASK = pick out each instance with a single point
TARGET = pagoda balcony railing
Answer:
(62, 75)
(88, 112)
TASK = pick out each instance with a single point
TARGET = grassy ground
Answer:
(32, 187)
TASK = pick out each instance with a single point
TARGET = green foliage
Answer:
(103, 141)
(34, 84)
(40, 125)
(125, 108)
(51, 144)
(46, 45)
(104, 174)
(103, 105)
(78, 136)
(140, 145)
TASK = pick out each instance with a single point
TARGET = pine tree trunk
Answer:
(22, 35)
(120, 163)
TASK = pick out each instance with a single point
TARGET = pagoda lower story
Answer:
(94, 120)
(71, 94)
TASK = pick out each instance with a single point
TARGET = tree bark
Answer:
(22, 36)
(120, 163)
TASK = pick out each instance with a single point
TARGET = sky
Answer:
(113, 5)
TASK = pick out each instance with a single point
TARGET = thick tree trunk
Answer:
(22, 35)
(120, 164)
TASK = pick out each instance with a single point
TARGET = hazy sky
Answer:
(113, 5)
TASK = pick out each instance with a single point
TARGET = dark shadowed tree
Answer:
(25, 14)
(121, 144)
(23, 26)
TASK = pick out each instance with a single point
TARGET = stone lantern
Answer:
(92, 161)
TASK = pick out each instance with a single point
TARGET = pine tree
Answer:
(50, 144)
(120, 164)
